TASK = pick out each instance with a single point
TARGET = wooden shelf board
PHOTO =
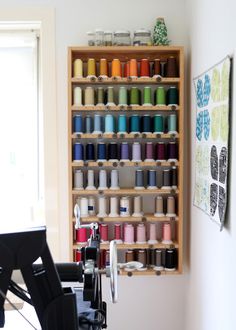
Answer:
(144, 218)
(125, 108)
(124, 191)
(125, 136)
(123, 80)
(123, 164)
(149, 272)
(105, 246)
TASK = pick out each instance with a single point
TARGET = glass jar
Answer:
(122, 38)
(99, 37)
(107, 38)
(142, 37)
(91, 38)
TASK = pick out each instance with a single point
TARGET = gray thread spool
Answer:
(137, 206)
(158, 263)
(159, 207)
(139, 179)
(88, 124)
(102, 180)
(152, 179)
(90, 180)
(113, 207)
(102, 207)
(78, 180)
(114, 180)
(166, 179)
(143, 259)
(171, 207)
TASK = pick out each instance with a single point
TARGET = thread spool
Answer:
(139, 179)
(117, 233)
(88, 124)
(125, 207)
(170, 259)
(113, 207)
(134, 124)
(114, 180)
(78, 255)
(172, 125)
(109, 124)
(163, 69)
(78, 68)
(158, 124)
(100, 96)
(149, 152)
(77, 96)
(104, 233)
(102, 207)
(116, 68)
(142, 257)
(137, 206)
(152, 257)
(171, 207)
(147, 96)
(174, 177)
(141, 234)
(160, 152)
(107, 258)
(90, 153)
(122, 127)
(81, 235)
(146, 124)
(78, 152)
(171, 67)
(91, 206)
(136, 152)
(127, 70)
(159, 207)
(97, 124)
(133, 66)
(84, 207)
(123, 97)
(110, 96)
(172, 152)
(90, 180)
(144, 68)
(124, 152)
(152, 179)
(78, 180)
(152, 234)
(89, 96)
(91, 68)
(134, 96)
(101, 152)
(160, 96)
(166, 234)
(157, 67)
(103, 73)
(77, 124)
(158, 260)
(129, 256)
(166, 179)
(128, 233)
(102, 180)
(172, 96)
(113, 152)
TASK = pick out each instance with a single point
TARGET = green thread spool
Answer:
(134, 96)
(100, 96)
(123, 98)
(110, 96)
(158, 124)
(160, 96)
(172, 124)
(172, 96)
(147, 96)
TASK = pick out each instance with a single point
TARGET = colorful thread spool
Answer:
(158, 124)
(159, 207)
(133, 68)
(90, 180)
(152, 234)
(160, 96)
(172, 124)
(152, 179)
(84, 207)
(97, 124)
(109, 124)
(91, 206)
(170, 259)
(116, 68)
(149, 153)
(147, 96)
(139, 179)
(113, 207)
(134, 124)
(102, 180)
(78, 180)
(137, 207)
(141, 234)
(146, 124)
(128, 234)
(122, 127)
(136, 152)
(104, 232)
(102, 207)
(160, 152)
(91, 68)
(144, 68)
(123, 96)
(170, 207)
(100, 96)
(124, 152)
(103, 73)
(125, 207)
(81, 235)
(172, 152)
(78, 152)
(117, 233)
(157, 67)
(110, 96)
(166, 179)
(171, 67)
(172, 96)
(77, 96)
(158, 260)
(77, 124)
(90, 153)
(89, 96)
(88, 124)
(101, 152)
(114, 180)
(134, 96)
(78, 68)
(113, 152)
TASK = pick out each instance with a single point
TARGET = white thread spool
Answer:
(91, 206)
(159, 207)
(90, 180)
(77, 96)
(78, 180)
(114, 180)
(141, 234)
(102, 207)
(171, 207)
(113, 207)
(152, 234)
(102, 180)
(137, 207)
(84, 207)
(124, 207)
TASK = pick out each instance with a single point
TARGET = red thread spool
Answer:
(78, 255)
(102, 261)
(157, 67)
(144, 68)
(81, 235)
(117, 233)
(104, 232)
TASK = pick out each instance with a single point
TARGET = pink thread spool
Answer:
(166, 234)
(81, 235)
(117, 233)
(152, 234)
(129, 234)
(141, 234)
(104, 232)
(149, 152)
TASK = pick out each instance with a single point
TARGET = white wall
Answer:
(212, 266)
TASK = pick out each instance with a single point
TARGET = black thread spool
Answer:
(152, 257)
(166, 179)
(174, 177)
(170, 259)
(90, 154)
(112, 152)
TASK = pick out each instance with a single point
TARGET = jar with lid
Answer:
(142, 37)
(122, 38)
(107, 38)
(99, 37)
(91, 38)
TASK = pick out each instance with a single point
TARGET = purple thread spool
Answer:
(172, 152)
(124, 152)
(149, 152)
(160, 152)
(136, 152)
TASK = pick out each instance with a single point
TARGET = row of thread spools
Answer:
(161, 178)
(125, 152)
(134, 96)
(156, 259)
(135, 124)
(131, 68)
(125, 206)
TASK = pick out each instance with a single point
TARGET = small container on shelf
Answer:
(142, 37)
(122, 38)
(99, 37)
(107, 38)
(91, 38)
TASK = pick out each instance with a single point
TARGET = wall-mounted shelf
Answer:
(125, 108)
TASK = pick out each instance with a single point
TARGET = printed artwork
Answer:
(211, 136)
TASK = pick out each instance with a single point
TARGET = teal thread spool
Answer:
(122, 126)
(123, 97)
(110, 96)
(147, 96)
(158, 124)
(134, 96)
(172, 124)
(134, 124)
(172, 96)
(109, 124)
(160, 96)
(100, 96)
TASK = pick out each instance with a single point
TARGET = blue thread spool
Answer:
(78, 152)
(88, 125)
(90, 155)
(134, 124)
(152, 179)
(109, 124)
(124, 152)
(158, 124)
(101, 152)
(139, 179)
(146, 124)
(122, 127)
(97, 124)
(78, 124)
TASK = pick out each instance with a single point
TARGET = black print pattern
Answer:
(221, 203)
(214, 163)
(223, 165)
(213, 198)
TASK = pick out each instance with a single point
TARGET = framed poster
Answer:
(212, 90)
